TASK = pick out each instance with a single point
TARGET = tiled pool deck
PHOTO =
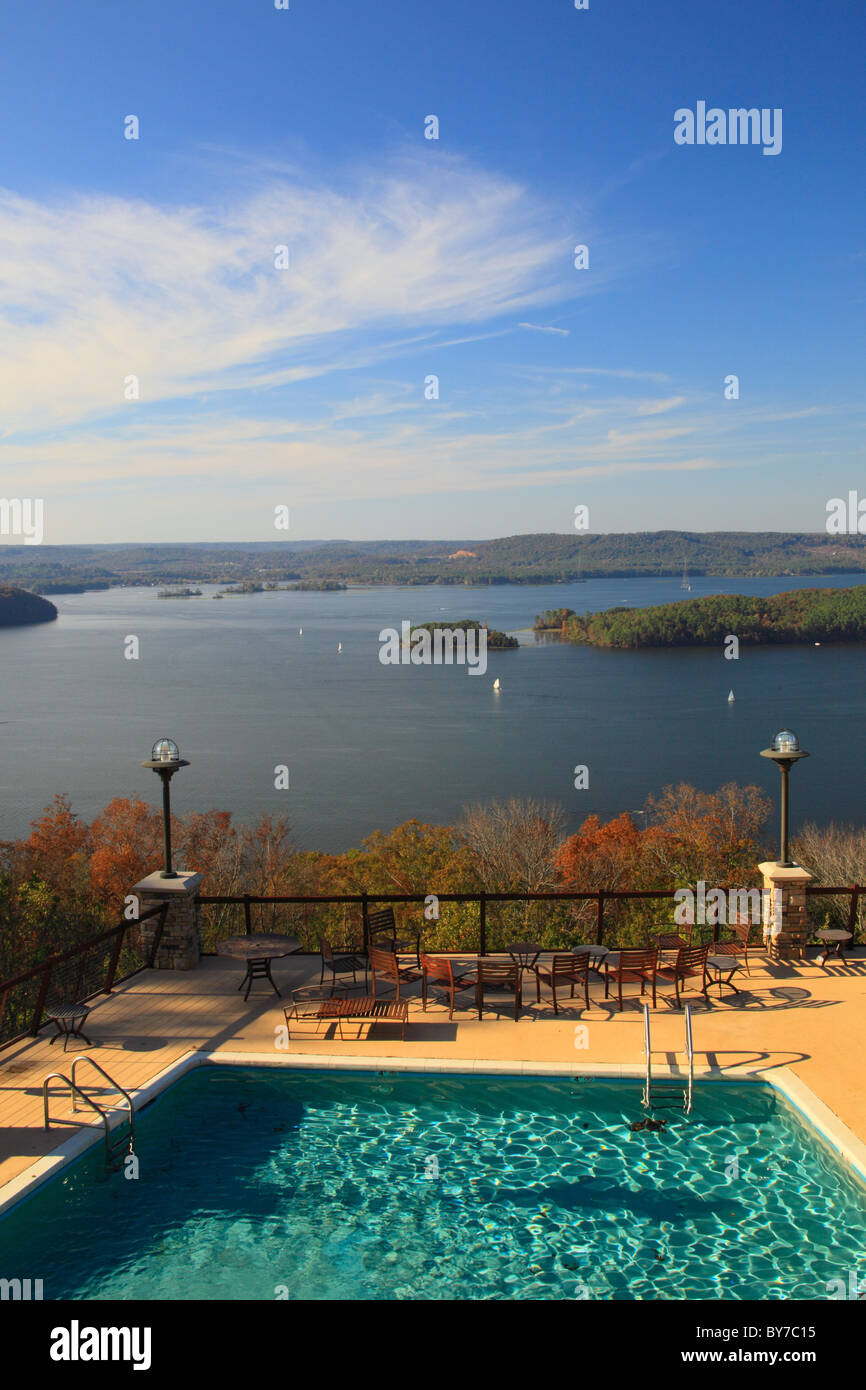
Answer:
(799, 1026)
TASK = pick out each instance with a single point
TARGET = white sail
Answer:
(730, 697)
(496, 685)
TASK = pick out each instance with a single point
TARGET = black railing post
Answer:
(248, 925)
(599, 918)
(365, 925)
(40, 1000)
(852, 915)
(115, 958)
(482, 924)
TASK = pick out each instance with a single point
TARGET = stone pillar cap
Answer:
(795, 874)
(186, 883)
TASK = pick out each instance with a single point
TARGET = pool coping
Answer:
(832, 1130)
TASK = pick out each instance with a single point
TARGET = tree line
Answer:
(69, 879)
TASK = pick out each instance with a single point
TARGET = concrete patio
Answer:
(797, 1020)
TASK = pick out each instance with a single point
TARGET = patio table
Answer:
(597, 955)
(258, 950)
(525, 955)
(721, 970)
(835, 937)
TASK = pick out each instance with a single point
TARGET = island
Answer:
(799, 615)
(179, 593)
(18, 607)
(499, 641)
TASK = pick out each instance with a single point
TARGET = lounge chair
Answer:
(564, 969)
(438, 975)
(627, 967)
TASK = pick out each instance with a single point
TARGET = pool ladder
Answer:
(653, 1094)
(113, 1148)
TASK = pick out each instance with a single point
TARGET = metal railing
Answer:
(81, 973)
(602, 898)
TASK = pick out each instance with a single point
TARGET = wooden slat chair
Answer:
(740, 945)
(387, 964)
(438, 975)
(630, 967)
(340, 963)
(564, 969)
(494, 976)
(690, 961)
(382, 933)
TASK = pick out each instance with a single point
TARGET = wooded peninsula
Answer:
(801, 615)
(17, 607)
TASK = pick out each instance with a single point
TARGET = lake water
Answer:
(369, 746)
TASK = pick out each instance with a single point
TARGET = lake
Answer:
(369, 746)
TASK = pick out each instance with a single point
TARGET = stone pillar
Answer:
(180, 944)
(784, 910)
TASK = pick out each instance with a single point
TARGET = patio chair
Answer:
(386, 963)
(340, 964)
(564, 969)
(438, 975)
(627, 967)
(382, 933)
(740, 945)
(492, 976)
(691, 960)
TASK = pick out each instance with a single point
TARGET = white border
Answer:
(829, 1127)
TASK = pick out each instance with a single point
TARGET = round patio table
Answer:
(835, 937)
(721, 971)
(524, 954)
(597, 955)
(258, 950)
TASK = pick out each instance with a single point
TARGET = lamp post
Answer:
(165, 760)
(785, 750)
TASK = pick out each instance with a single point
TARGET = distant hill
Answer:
(18, 607)
(531, 559)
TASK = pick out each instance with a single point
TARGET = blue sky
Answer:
(411, 257)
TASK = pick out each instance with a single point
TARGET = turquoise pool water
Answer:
(257, 1183)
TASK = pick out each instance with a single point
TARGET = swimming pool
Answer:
(264, 1183)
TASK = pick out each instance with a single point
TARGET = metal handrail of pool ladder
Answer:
(75, 1090)
(60, 1076)
(82, 1057)
(690, 1054)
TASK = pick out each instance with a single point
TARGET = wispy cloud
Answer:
(188, 299)
(545, 328)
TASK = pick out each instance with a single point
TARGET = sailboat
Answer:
(685, 584)
(339, 646)
(496, 685)
(730, 697)
(300, 632)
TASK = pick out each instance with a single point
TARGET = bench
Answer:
(366, 1008)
